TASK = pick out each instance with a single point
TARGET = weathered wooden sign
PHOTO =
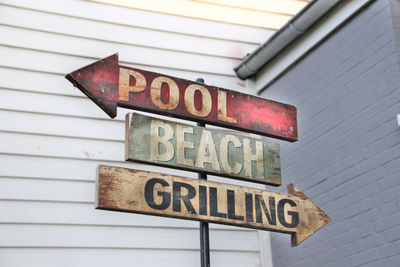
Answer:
(219, 152)
(127, 190)
(110, 85)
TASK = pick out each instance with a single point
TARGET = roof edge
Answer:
(294, 28)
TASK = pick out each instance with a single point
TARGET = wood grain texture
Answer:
(164, 195)
(110, 85)
(188, 147)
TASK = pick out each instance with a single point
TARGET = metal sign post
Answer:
(204, 230)
(181, 146)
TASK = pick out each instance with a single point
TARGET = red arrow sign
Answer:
(110, 85)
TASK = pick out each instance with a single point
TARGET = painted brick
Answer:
(366, 230)
(348, 174)
(395, 151)
(280, 262)
(386, 143)
(394, 138)
(368, 243)
(316, 248)
(394, 261)
(331, 255)
(388, 222)
(393, 166)
(370, 190)
(391, 249)
(363, 218)
(365, 257)
(380, 263)
(382, 144)
(377, 113)
(324, 202)
(387, 195)
(346, 237)
(304, 262)
(347, 158)
(378, 51)
(370, 117)
(354, 208)
(392, 234)
(388, 209)
(337, 227)
(338, 262)
(352, 185)
(366, 66)
(389, 181)
(377, 160)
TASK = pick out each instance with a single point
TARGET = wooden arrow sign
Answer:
(135, 191)
(213, 151)
(110, 85)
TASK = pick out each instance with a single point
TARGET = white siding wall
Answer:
(52, 137)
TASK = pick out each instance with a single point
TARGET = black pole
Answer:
(204, 230)
(204, 235)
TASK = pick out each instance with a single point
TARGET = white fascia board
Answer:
(270, 72)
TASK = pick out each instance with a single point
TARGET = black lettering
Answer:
(202, 200)
(177, 196)
(231, 206)
(249, 207)
(214, 204)
(149, 194)
(293, 214)
(271, 215)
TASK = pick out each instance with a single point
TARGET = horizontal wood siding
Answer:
(52, 137)
(47, 256)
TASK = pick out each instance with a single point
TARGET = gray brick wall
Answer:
(347, 159)
(395, 4)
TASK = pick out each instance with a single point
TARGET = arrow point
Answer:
(313, 218)
(99, 81)
(112, 58)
